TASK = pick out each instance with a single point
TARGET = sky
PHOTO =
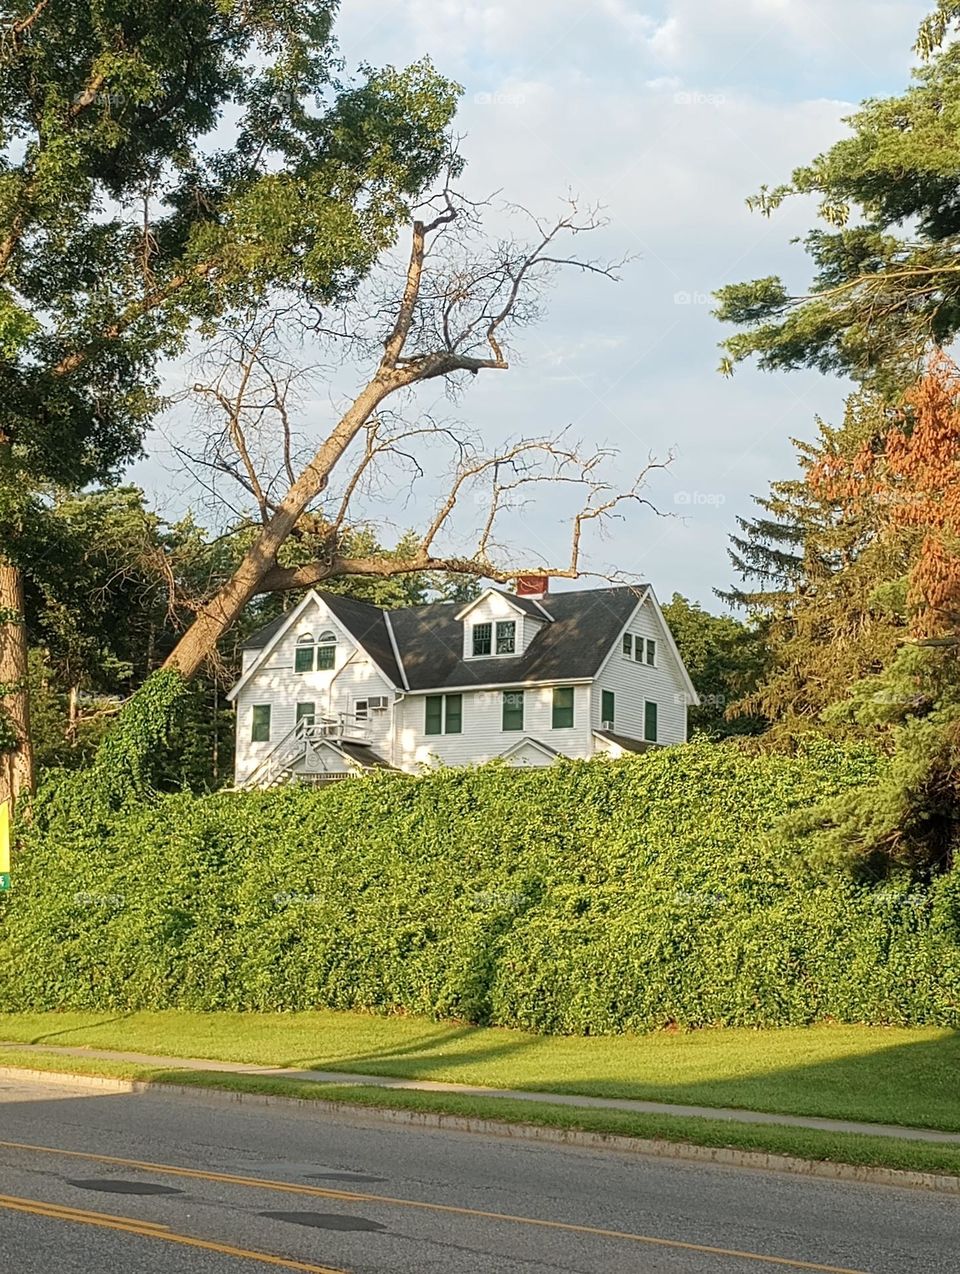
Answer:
(669, 113)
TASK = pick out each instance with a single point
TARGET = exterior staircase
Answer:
(286, 763)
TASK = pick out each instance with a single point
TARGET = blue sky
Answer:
(669, 113)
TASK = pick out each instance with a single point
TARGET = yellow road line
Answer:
(9, 1200)
(147, 1230)
(345, 1196)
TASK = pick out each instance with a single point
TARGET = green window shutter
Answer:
(506, 637)
(306, 710)
(607, 706)
(562, 707)
(628, 645)
(650, 722)
(482, 639)
(513, 709)
(651, 652)
(326, 656)
(433, 714)
(260, 725)
(453, 720)
(303, 659)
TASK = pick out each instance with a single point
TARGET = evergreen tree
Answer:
(827, 588)
(724, 658)
(886, 285)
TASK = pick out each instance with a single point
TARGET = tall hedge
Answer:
(587, 897)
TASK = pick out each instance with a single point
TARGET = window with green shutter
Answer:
(628, 645)
(607, 706)
(306, 712)
(651, 652)
(650, 722)
(562, 707)
(303, 658)
(513, 709)
(260, 723)
(433, 714)
(453, 714)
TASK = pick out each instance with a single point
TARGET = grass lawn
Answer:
(881, 1075)
(882, 1152)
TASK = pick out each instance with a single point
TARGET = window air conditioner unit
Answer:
(378, 704)
(606, 725)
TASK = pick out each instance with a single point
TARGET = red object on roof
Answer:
(532, 585)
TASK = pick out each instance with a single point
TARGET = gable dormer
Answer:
(497, 625)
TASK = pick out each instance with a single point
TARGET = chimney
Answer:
(532, 585)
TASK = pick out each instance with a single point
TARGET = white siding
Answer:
(483, 736)
(332, 691)
(487, 611)
(633, 683)
(398, 734)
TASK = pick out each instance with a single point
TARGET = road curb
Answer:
(661, 1149)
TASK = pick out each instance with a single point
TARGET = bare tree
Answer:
(461, 300)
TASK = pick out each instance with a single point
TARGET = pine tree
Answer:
(828, 590)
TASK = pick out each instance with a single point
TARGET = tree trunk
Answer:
(16, 767)
(199, 642)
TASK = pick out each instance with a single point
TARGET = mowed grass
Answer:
(880, 1075)
(799, 1143)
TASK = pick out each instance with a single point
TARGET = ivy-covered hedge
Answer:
(586, 897)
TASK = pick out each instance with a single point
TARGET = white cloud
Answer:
(670, 114)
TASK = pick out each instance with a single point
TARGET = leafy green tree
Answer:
(886, 285)
(162, 166)
(724, 657)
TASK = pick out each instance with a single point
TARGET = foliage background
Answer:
(589, 897)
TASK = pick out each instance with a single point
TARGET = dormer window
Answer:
(482, 639)
(498, 638)
(319, 653)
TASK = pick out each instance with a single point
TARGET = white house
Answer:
(336, 686)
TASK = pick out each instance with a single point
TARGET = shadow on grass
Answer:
(915, 1084)
(51, 1036)
(423, 1057)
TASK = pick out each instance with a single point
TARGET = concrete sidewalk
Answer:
(470, 1090)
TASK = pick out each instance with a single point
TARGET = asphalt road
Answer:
(104, 1183)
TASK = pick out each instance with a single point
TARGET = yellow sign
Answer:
(4, 845)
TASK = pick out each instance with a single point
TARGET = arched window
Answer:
(326, 650)
(303, 659)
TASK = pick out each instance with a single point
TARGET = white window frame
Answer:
(504, 623)
(482, 623)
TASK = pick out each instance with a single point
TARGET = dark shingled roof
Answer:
(430, 638)
(263, 636)
(586, 625)
(362, 754)
(363, 621)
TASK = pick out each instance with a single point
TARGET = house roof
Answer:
(585, 626)
(363, 621)
(359, 753)
(526, 605)
(628, 744)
